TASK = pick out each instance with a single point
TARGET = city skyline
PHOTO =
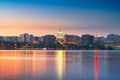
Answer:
(41, 17)
(86, 41)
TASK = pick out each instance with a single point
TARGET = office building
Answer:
(87, 39)
(71, 39)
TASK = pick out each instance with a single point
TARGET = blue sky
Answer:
(76, 16)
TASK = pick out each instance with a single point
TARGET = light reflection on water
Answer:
(96, 65)
(59, 65)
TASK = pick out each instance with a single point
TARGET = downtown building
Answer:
(10, 38)
(60, 36)
(87, 39)
(71, 39)
(99, 40)
(112, 40)
(48, 39)
(36, 40)
(26, 38)
(1, 38)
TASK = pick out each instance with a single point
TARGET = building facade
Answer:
(114, 38)
(87, 39)
(60, 36)
(71, 39)
(26, 38)
(49, 39)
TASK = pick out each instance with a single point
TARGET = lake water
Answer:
(59, 65)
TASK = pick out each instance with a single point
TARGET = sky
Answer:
(41, 17)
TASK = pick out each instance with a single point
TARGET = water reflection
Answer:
(31, 63)
(96, 68)
(10, 65)
(59, 65)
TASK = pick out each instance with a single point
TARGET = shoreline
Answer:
(55, 49)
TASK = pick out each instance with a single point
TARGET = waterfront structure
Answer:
(16, 39)
(49, 39)
(41, 39)
(36, 40)
(108, 42)
(23, 37)
(87, 39)
(60, 36)
(1, 38)
(10, 38)
(71, 39)
(114, 38)
(99, 40)
(30, 39)
(26, 38)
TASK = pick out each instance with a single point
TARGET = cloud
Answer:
(2, 27)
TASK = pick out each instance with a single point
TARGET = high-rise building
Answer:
(23, 37)
(71, 39)
(60, 36)
(114, 38)
(87, 39)
(1, 38)
(49, 39)
(15, 38)
(36, 40)
(30, 39)
(99, 40)
(9, 38)
(26, 38)
(108, 42)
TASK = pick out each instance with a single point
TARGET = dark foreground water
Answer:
(59, 65)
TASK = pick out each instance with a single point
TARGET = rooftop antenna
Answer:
(96, 31)
(96, 34)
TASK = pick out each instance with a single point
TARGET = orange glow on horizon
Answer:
(36, 27)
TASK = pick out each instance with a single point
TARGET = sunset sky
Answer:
(41, 17)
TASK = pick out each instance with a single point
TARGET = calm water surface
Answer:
(59, 65)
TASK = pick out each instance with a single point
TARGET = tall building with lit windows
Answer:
(71, 39)
(23, 37)
(1, 38)
(60, 36)
(87, 39)
(26, 38)
(114, 38)
(48, 39)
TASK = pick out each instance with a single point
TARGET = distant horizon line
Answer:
(56, 34)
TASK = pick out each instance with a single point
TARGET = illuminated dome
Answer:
(60, 36)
